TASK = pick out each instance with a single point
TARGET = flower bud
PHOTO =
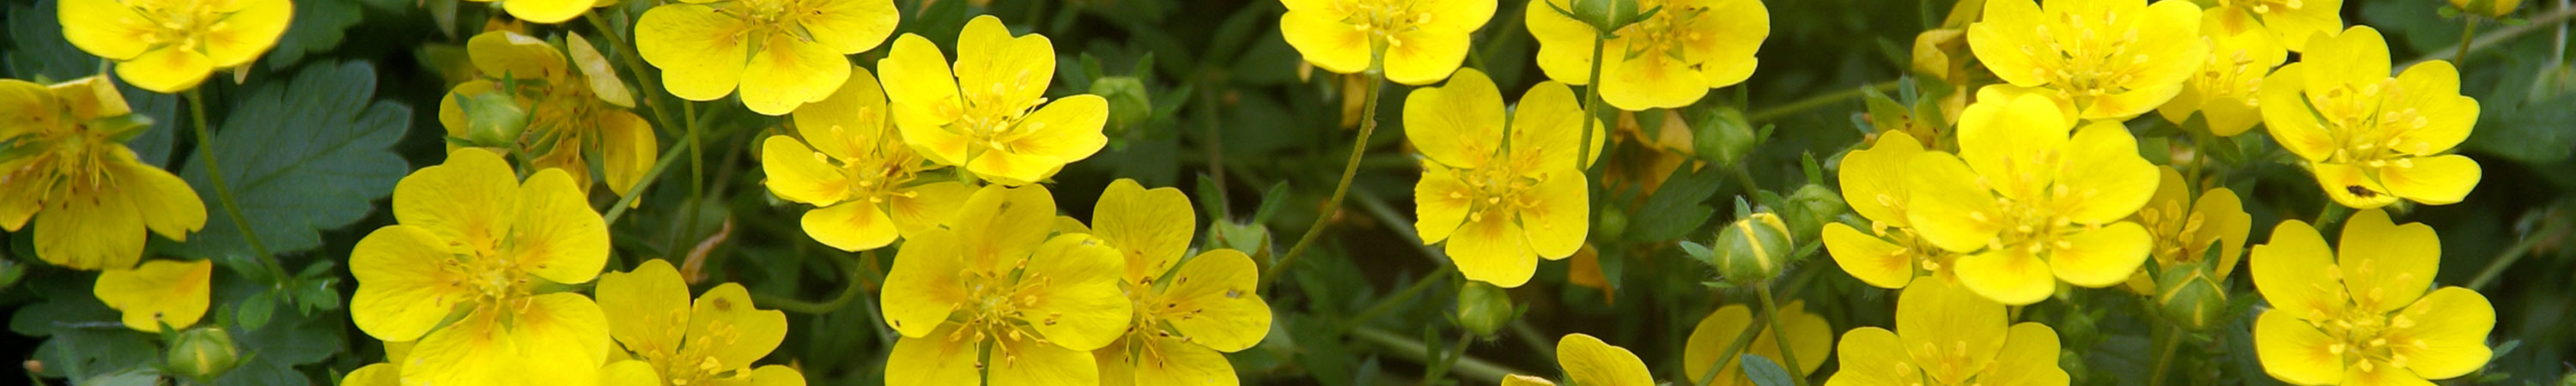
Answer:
(2490, 8)
(1753, 249)
(2188, 296)
(1129, 104)
(202, 354)
(1614, 223)
(1723, 137)
(1483, 308)
(1809, 209)
(1605, 16)
(493, 119)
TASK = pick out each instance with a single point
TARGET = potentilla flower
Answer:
(990, 114)
(1892, 252)
(171, 45)
(1416, 42)
(2112, 59)
(569, 114)
(1946, 335)
(856, 169)
(64, 165)
(2372, 139)
(2359, 314)
(1590, 362)
(2292, 22)
(2027, 203)
(1186, 311)
(991, 296)
(548, 11)
(781, 53)
(1501, 204)
(2225, 89)
(2185, 229)
(475, 243)
(1668, 60)
(710, 342)
(1809, 337)
(158, 292)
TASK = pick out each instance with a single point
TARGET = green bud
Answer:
(1606, 16)
(1754, 249)
(1614, 223)
(1483, 308)
(1129, 104)
(493, 119)
(202, 354)
(1723, 137)
(2569, 380)
(2189, 297)
(1810, 208)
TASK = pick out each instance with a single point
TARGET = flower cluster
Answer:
(529, 102)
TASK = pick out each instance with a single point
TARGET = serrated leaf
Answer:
(301, 156)
(83, 338)
(318, 27)
(1764, 372)
(270, 352)
(1676, 207)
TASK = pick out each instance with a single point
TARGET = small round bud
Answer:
(202, 354)
(1483, 308)
(1614, 223)
(1129, 104)
(1809, 209)
(1723, 137)
(1754, 249)
(2186, 295)
(493, 119)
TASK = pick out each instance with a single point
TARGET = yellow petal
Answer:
(380, 374)
(2103, 171)
(1062, 132)
(1524, 380)
(474, 350)
(1809, 335)
(1726, 57)
(1867, 361)
(2001, 39)
(2293, 351)
(1441, 201)
(510, 55)
(852, 121)
(2351, 185)
(2029, 358)
(2359, 56)
(1938, 319)
(557, 236)
(596, 73)
(2134, 102)
(1869, 258)
(561, 328)
(1214, 303)
(1032, 364)
(1709, 340)
(701, 51)
(2446, 336)
(788, 72)
(1181, 363)
(2287, 117)
(1548, 125)
(1873, 179)
(249, 32)
(1081, 306)
(1564, 44)
(168, 206)
(644, 306)
(928, 206)
(992, 62)
(1651, 81)
(1426, 55)
(1459, 124)
(924, 96)
(2436, 180)
(1949, 207)
(850, 226)
(157, 292)
(850, 26)
(1588, 361)
(2286, 273)
(1150, 228)
(775, 375)
(465, 200)
(2386, 264)
(2432, 89)
(404, 286)
(627, 143)
(933, 360)
(1557, 224)
(107, 28)
(2227, 222)
(1459, 15)
(2298, 26)
(90, 233)
(747, 333)
(2101, 257)
(546, 11)
(799, 174)
(999, 226)
(1326, 41)
(166, 70)
(2001, 140)
(2381, 373)
(621, 373)
(1492, 249)
(2009, 275)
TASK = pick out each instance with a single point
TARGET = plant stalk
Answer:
(857, 269)
(1780, 336)
(223, 191)
(1359, 148)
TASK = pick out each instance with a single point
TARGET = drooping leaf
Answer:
(300, 156)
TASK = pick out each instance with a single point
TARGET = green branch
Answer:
(224, 192)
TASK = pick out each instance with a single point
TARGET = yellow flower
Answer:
(781, 53)
(1946, 335)
(159, 291)
(171, 45)
(1206, 306)
(63, 155)
(1590, 362)
(1668, 60)
(568, 114)
(986, 114)
(1500, 203)
(2292, 22)
(1874, 184)
(2367, 319)
(991, 296)
(2113, 59)
(1417, 42)
(2371, 138)
(2024, 200)
(714, 340)
(470, 235)
(388, 373)
(2185, 228)
(2223, 91)
(857, 169)
(548, 11)
(1809, 337)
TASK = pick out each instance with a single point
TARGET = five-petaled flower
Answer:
(2360, 314)
(171, 45)
(64, 164)
(857, 169)
(1502, 195)
(781, 53)
(2025, 199)
(2224, 91)
(1668, 60)
(1874, 184)
(1415, 42)
(1945, 336)
(1186, 311)
(2112, 59)
(985, 114)
(991, 296)
(2186, 229)
(2372, 139)
(709, 342)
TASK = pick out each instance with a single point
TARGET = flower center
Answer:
(2230, 75)
(2264, 6)
(1668, 33)
(2365, 337)
(1943, 362)
(1384, 20)
(992, 117)
(2091, 63)
(695, 361)
(1002, 306)
(183, 25)
(1503, 187)
(2175, 230)
(2369, 131)
(69, 160)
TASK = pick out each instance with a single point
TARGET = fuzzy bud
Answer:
(1483, 308)
(1129, 104)
(202, 354)
(492, 119)
(1723, 137)
(1809, 209)
(1753, 249)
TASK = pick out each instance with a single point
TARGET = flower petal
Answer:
(1213, 301)
(850, 26)
(557, 236)
(1869, 258)
(629, 372)
(465, 200)
(1182, 363)
(596, 73)
(797, 173)
(561, 328)
(90, 233)
(1867, 361)
(1558, 222)
(627, 143)
(934, 359)
(107, 28)
(2009, 275)
(2436, 180)
(2359, 56)
(249, 32)
(1150, 228)
(990, 62)
(2293, 351)
(1548, 125)
(746, 333)
(999, 226)
(1651, 81)
(850, 122)
(510, 55)
(2101, 257)
(166, 70)
(2288, 118)
(157, 292)
(546, 11)
(167, 205)
(2107, 178)
(2351, 185)
(923, 288)
(1490, 248)
(645, 307)
(1081, 306)
(788, 72)
(850, 226)
(2298, 26)
(1588, 361)
(404, 289)
(1873, 179)
(1949, 208)
(2029, 358)
(1939, 322)
(2432, 90)
(924, 97)
(2286, 273)
(1459, 124)
(1426, 55)
(1710, 338)
(927, 206)
(1062, 132)
(1565, 45)
(2444, 335)
(2008, 29)
(1033, 364)
(2386, 264)
(1326, 41)
(1440, 202)
(701, 51)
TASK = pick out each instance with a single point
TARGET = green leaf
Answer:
(271, 352)
(1764, 372)
(135, 377)
(84, 339)
(1676, 208)
(301, 157)
(318, 27)
(256, 310)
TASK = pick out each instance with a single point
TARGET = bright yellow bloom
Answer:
(2371, 138)
(2291, 22)
(2367, 318)
(1809, 337)
(1946, 335)
(548, 11)
(857, 169)
(714, 340)
(1873, 183)
(2224, 89)
(1417, 42)
(159, 291)
(2185, 228)
(781, 53)
(470, 235)
(991, 296)
(1668, 60)
(63, 155)
(568, 114)
(2113, 59)
(2025, 200)
(1207, 305)
(985, 114)
(171, 45)
(1590, 362)
(1501, 204)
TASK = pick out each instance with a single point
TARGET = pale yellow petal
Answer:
(645, 307)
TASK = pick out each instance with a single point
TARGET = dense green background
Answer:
(344, 106)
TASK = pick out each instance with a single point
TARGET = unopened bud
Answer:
(1723, 137)
(2188, 296)
(202, 354)
(1129, 104)
(1483, 308)
(493, 119)
(1809, 209)
(1753, 249)
(1614, 223)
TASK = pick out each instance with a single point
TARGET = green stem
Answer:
(1479, 370)
(1814, 102)
(1388, 303)
(2164, 357)
(628, 200)
(1359, 148)
(223, 191)
(2333, 213)
(1727, 356)
(2496, 267)
(2468, 34)
(2534, 24)
(783, 303)
(1457, 350)
(1771, 315)
(697, 181)
(1592, 102)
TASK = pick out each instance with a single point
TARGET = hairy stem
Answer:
(224, 192)
(1359, 148)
